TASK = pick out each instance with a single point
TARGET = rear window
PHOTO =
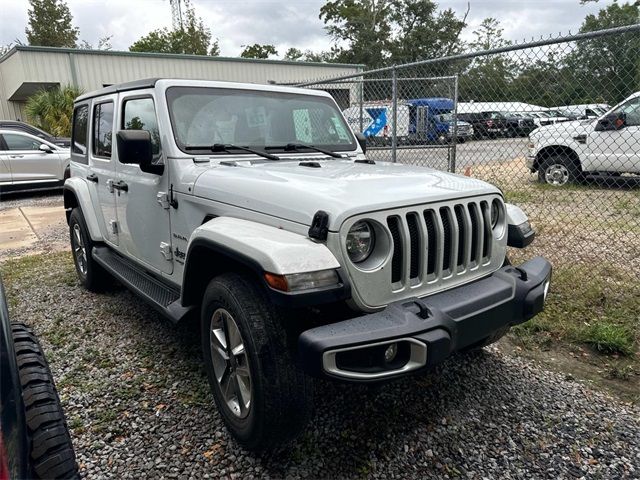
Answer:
(79, 133)
(102, 129)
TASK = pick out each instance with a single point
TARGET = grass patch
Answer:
(592, 305)
(43, 269)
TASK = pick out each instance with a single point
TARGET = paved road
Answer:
(469, 153)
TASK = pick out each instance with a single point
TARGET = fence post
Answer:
(453, 150)
(394, 114)
(361, 102)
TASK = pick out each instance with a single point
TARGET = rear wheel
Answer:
(50, 449)
(263, 397)
(558, 170)
(92, 276)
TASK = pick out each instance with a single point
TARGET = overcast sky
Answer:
(292, 23)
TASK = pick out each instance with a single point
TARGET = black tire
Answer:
(93, 277)
(51, 452)
(281, 394)
(559, 170)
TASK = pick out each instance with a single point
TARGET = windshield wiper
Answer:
(297, 146)
(226, 147)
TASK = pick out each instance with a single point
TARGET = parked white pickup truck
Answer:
(254, 210)
(571, 151)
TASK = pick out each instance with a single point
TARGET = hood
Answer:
(572, 128)
(342, 188)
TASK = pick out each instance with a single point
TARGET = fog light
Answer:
(391, 352)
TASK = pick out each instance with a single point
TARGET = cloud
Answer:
(284, 24)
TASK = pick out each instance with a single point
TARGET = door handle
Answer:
(93, 178)
(121, 186)
(16, 156)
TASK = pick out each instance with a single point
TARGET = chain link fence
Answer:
(537, 120)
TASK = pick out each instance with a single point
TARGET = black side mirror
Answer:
(134, 147)
(613, 121)
(362, 140)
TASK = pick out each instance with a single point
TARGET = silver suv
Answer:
(255, 210)
(28, 162)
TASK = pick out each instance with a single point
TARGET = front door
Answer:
(29, 164)
(616, 150)
(143, 212)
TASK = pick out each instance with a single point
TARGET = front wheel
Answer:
(263, 397)
(558, 170)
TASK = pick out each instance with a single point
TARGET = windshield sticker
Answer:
(302, 122)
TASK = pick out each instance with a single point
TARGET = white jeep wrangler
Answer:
(255, 208)
(605, 147)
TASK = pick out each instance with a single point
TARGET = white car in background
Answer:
(608, 146)
(28, 162)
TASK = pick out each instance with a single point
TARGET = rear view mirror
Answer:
(135, 148)
(613, 121)
(362, 140)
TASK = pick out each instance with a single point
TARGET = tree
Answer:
(608, 64)
(192, 38)
(104, 43)
(383, 32)
(50, 24)
(489, 77)
(293, 54)
(258, 51)
(51, 110)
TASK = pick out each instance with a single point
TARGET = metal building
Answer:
(25, 70)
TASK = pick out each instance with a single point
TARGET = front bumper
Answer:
(425, 331)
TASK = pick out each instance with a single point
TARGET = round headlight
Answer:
(495, 213)
(360, 241)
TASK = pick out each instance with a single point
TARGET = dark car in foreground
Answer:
(31, 130)
(34, 438)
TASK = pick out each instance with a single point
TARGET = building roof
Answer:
(121, 53)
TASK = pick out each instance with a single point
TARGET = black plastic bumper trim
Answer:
(447, 322)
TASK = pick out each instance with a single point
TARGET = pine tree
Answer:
(50, 24)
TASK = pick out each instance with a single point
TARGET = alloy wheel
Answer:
(230, 362)
(79, 250)
(556, 175)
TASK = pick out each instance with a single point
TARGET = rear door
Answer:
(143, 211)
(27, 162)
(5, 171)
(102, 165)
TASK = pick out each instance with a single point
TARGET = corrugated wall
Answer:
(93, 70)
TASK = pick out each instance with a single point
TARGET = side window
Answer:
(16, 141)
(140, 114)
(631, 110)
(102, 129)
(79, 131)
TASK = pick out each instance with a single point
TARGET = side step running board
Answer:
(161, 296)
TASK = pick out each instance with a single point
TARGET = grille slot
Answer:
(432, 241)
(414, 237)
(396, 260)
(446, 241)
(462, 234)
(475, 224)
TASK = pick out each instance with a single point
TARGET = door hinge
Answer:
(165, 249)
(163, 200)
(113, 225)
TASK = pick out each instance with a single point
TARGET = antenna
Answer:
(176, 14)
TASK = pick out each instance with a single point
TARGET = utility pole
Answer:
(176, 14)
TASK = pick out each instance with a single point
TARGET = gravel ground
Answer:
(137, 401)
(32, 199)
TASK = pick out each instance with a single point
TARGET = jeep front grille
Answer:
(431, 247)
(439, 242)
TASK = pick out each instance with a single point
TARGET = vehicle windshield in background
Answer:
(447, 117)
(202, 117)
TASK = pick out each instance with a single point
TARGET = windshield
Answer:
(447, 117)
(203, 116)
